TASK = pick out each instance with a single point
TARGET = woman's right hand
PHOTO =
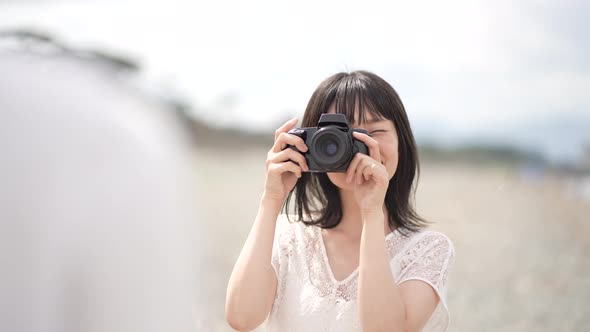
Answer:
(252, 287)
(281, 171)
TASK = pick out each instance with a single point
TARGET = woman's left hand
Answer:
(370, 176)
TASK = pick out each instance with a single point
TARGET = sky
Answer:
(511, 72)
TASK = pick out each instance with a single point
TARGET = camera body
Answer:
(331, 145)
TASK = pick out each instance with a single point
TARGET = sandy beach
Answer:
(522, 243)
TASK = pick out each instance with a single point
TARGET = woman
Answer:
(358, 257)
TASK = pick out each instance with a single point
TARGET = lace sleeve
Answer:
(282, 246)
(275, 260)
(429, 260)
(282, 250)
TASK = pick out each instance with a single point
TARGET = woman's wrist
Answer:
(372, 215)
(273, 202)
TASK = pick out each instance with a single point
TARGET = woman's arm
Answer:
(383, 305)
(380, 303)
(252, 285)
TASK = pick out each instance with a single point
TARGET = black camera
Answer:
(331, 145)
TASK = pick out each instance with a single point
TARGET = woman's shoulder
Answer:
(434, 237)
(429, 245)
(293, 238)
(288, 221)
(289, 226)
(423, 241)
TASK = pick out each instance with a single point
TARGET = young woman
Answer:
(357, 257)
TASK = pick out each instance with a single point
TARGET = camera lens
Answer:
(331, 148)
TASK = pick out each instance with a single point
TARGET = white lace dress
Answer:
(309, 298)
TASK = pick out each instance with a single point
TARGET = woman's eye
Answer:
(371, 133)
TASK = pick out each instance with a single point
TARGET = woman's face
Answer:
(382, 131)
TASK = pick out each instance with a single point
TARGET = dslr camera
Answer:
(331, 145)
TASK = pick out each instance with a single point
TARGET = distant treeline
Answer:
(231, 138)
(481, 153)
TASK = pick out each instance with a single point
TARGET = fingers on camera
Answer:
(359, 170)
(285, 139)
(350, 172)
(285, 127)
(293, 156)
(368, 171)
(371, 143)
(286, 166)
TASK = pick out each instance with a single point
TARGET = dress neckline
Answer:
(328, 266)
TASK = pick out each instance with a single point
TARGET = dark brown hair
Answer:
(316, 195)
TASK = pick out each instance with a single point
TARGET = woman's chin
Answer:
(339, 180)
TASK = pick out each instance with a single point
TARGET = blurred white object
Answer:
(95, 202)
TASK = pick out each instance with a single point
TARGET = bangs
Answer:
(356, 100)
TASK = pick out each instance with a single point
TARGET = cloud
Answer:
(468, 66)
